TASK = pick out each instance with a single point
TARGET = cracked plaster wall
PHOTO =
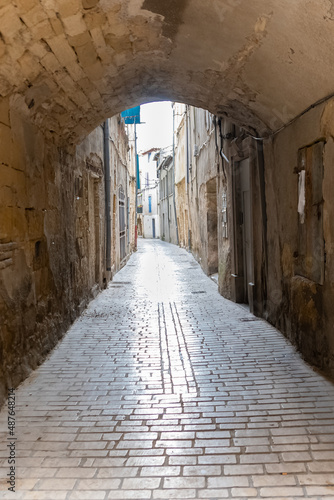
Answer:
(298, 306)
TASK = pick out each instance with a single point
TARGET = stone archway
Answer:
(68, 65)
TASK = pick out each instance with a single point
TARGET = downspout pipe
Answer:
(136, 189)
(107, 183)
(174, 203)
(261, 170)
(167, 198)
(187, 143)
(188, 176)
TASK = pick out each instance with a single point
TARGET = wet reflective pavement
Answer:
(164, 389)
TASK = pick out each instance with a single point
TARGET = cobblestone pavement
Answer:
(163, 389)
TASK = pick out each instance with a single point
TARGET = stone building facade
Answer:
(258, 212)
(132, 187)
(196, 183)
(167, 212)
(148, 196)
(53, 230)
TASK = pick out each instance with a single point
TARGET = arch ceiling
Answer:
(69, 64)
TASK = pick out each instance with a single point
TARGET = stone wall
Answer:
(181, 184)
(225, 210)
(122, 178)
(292, 262)
(292, 249)
(52, 238)
(166, 203)
(202, 189)
(299, 304)
(199, 181)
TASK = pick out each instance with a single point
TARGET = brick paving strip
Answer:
(163, 389)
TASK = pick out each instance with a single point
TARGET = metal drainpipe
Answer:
(107, 182)
(187, 183)
(187, 144)
(167, 198)
(261, 170)
(174, 203)
(136, 188)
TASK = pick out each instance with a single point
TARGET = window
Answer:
(147, 179)
(150, 204)
(122, 224)
(311, 246)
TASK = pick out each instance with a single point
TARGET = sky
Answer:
(157, 131)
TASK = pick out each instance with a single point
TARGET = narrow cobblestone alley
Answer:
(164, 389)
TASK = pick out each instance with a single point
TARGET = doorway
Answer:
(153, 227)
(242, 254)
(246, 208)
(212, 226)
(122, 224)
(97, 229)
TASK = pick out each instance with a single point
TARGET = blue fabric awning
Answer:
(131, 115)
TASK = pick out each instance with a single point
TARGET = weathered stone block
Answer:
(95, 71)
(30, 66)
(13, 223)
(34, 16)
(5, 144)
(94, 19)
(80, 98)
(39, 49)
(26, 5)
(6, 263)
(2, 48)
(50, 62)
(86, 85)
(89, 4)
(4, 111)
(98, 38)
(56, 26)
(4, 86)
(66, 8)
(7, 196)
(43, 30)
(87, 54)
(10, 22)
(19, 223)
(75, 71)
(80, 39)
(35, 220)
(61, 49)
(74, 25)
